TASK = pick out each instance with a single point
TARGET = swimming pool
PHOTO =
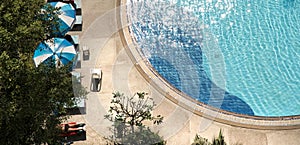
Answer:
(259, 43)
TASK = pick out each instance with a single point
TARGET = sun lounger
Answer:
(76, 76)
(78, 20)
(80, 107)
(75, 40)
(77, 62)
(78, 6)
(86, 53)
(96, 80)
(78, 24)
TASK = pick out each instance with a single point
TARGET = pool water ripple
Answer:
(260, 43)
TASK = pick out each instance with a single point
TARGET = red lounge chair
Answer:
(72, 128)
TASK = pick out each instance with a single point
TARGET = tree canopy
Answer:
(31, 98)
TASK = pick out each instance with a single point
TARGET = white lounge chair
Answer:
(96, 80)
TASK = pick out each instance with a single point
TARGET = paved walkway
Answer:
(120, 74)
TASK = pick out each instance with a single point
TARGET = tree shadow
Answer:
(168, 46)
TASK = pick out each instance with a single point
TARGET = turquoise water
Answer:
(259, 40)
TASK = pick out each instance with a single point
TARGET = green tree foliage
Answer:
(128, 115)
(198, 140)
(23, 25)
(143, 136)
(31, 99)
(219, 140)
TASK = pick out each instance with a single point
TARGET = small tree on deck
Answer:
(128, 115)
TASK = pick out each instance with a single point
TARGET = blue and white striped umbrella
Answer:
(67, 16)
(56, 49)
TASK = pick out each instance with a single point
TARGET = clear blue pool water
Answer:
(259, 41)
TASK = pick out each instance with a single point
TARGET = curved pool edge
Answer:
(181, 99)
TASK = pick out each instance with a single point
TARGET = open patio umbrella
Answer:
(56, 49)
(66, 15)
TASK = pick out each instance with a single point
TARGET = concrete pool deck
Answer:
(120, 73)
